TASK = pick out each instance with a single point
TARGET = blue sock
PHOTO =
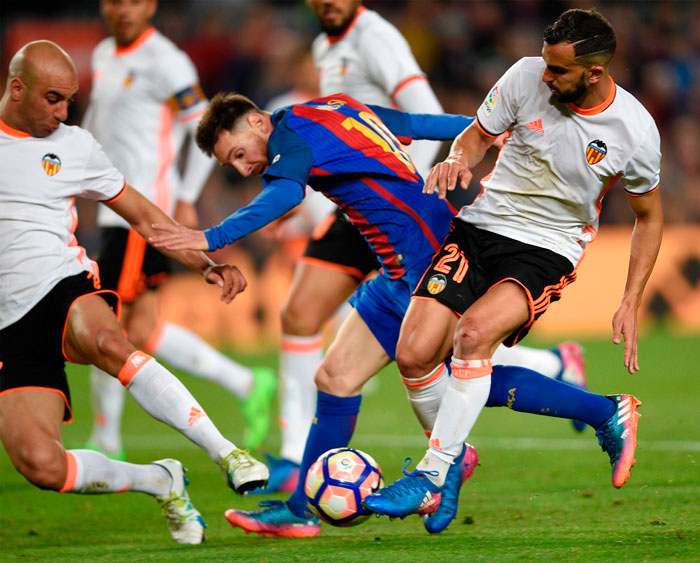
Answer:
(525, 390)
(332, 427)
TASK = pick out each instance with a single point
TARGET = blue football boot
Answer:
(413, 494)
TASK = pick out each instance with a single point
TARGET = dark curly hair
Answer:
(590, 33)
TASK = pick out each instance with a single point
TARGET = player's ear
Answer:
(18, 89)
(596, 73)
(258, 122)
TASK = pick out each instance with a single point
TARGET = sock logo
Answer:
(435, 444)
(195, 415)
(137, 358)
(511, 398)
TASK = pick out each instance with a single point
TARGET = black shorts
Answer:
(472, 261)
(31, 349)
(128, 265)
(338, 244)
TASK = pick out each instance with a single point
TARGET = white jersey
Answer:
(373, 63)
(39, 180)
(548, 183)
(141, 97)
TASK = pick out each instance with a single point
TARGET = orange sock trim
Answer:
(471, 369)
(301, 345)
(71, 473)
(426, 379)
(155, 339)
(133, 365)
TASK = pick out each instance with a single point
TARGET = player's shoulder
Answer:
(76, 137)
(632, 110)
(161, 46)
(529, 66)
(371, 24)
(104, 49)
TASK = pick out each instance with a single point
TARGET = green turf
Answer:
(541, 493)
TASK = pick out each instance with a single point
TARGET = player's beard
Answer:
(574, 95)
(334, 30)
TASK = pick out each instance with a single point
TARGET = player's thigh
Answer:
(93, 335)
(30, 429)
(426, 336)
(491, 319)
(317, 292)
(354, 357)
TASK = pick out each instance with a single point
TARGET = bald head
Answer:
(42, 80)
(40, 58)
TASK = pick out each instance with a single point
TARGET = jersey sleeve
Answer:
(642, 171)
(440, 127)
(388, 57)
(498, 111)
(101, 180)
(177, 79)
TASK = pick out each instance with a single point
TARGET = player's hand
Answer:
(177, 237)
(228, 277)
(444, 176)
(625, 327)
(186, 214)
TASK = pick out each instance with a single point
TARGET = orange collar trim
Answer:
(336, 38)
(5, 128)
(601, 107)
(134, 45)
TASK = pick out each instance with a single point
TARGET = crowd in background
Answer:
(254, 47)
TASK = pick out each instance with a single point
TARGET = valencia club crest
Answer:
(596, 151)
(51, 164)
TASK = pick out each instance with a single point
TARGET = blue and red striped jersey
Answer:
(342, 148)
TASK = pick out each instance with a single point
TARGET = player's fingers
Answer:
(444, 179)
(429, 185)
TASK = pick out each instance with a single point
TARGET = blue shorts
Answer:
(382, 304)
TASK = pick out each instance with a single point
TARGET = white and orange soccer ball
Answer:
(338, 481)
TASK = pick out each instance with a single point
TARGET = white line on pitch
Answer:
(147, 442)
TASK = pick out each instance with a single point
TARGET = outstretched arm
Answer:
(644, 248)
(142, 214)
(466, 152)
(278, 197)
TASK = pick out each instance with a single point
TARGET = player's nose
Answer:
(61, 112)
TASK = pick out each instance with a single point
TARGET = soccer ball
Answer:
(338, 481)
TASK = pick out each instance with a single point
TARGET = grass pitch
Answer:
(541, 493)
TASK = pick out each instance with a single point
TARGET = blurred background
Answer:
(259, 48)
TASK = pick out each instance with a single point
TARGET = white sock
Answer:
(184, 350)
(425, 394)
(299, 360)
(165, 398)
(91, 472)
(107, 406)
(543, 361)
(465, 396)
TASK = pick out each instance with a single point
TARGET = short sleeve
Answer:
(177, 79)
(101, 180)
(498, 111)
(642, 171)
(388, 58)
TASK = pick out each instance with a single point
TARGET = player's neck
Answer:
(597, 94)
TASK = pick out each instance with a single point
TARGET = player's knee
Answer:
(334, 384)
(112, 346)
(43, 467)
(468, 337)
(414, 362)
(298, 320)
